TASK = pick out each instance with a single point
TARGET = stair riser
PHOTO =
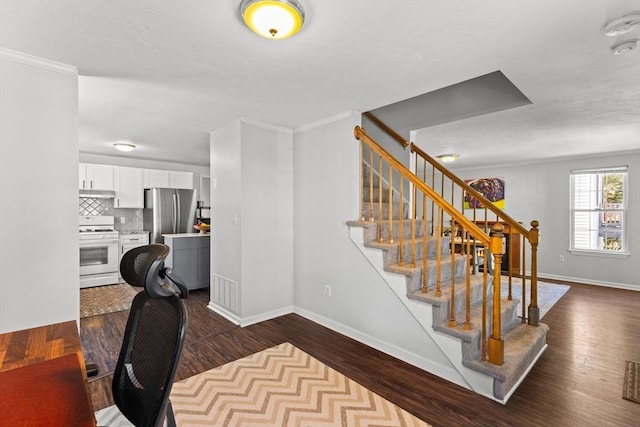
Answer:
(432, 247)
(441, 314)
(406, 228)
(365, 179)
(471, 344)
(366, 196)
(385, 211)
(459, 270)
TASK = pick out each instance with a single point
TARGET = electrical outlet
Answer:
(122, 220)
(327, 291)
(560, 258)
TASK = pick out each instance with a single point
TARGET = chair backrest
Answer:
(153, 339)
(144, 267)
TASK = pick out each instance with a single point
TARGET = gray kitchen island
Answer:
(189, 258)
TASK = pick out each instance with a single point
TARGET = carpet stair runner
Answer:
(522, 343)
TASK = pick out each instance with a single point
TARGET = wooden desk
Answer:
(512, 246)
(43, 379)
(476, 249)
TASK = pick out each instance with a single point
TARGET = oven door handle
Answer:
(97, 242)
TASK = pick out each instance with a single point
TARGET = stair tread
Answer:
(431, 298)
(522, 346)
(458, 330)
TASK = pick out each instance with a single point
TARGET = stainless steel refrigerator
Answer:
(168, 211)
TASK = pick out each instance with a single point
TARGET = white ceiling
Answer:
(163, 74)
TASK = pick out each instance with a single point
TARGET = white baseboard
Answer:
(580, 280)
(216, 308)
(246, 321)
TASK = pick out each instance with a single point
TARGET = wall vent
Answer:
(226, 293)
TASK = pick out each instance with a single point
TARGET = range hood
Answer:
(97, 194)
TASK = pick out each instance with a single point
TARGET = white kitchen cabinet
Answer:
(96, 177)
(152, 178)
(166, 179)
(181, 179)
(189, 258)
(130, 241)
(129, 189)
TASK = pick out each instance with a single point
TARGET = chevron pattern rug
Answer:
(280, 386)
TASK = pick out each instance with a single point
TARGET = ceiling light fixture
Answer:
(622, 25)
(448, 158)
(273, 19)
(625, 46)
(124, 146)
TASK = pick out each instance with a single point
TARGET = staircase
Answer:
(415, 259)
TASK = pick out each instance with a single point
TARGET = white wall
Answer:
(38, 196)
(252, 206)
(540, 191)
(326, 195)
(226, 201)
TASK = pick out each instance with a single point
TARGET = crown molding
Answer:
(325, 121)
(268, 126)
(35, 61)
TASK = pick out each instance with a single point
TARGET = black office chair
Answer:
(153, 338)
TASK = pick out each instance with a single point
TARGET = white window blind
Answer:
(598, 209)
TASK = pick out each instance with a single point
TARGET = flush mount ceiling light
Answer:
(624, 47)
(124, 146)
(273, 19)
(448, 158)
(622, 25)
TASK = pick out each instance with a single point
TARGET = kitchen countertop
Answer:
(133, 232)
(173, 236)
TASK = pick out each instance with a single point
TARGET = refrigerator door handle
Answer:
(175, 213)
(178, 219)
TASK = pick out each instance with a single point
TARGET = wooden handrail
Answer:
(392, 133)
(469, 225)
(477, 195)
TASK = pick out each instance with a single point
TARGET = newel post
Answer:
(534, 310)
(496, 343)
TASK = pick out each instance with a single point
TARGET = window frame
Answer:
(623, 210)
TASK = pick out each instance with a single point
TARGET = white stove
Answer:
(97, 225)
(98, 251)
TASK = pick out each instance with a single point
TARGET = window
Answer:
(598, 210)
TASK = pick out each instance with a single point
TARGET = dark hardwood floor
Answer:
(576, 382)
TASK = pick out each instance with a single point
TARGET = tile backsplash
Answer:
(132, 217)
(92, 207)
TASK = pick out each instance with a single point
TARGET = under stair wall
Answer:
(362, 306)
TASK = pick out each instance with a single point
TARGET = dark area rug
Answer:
(631, 385)
(106, 299)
